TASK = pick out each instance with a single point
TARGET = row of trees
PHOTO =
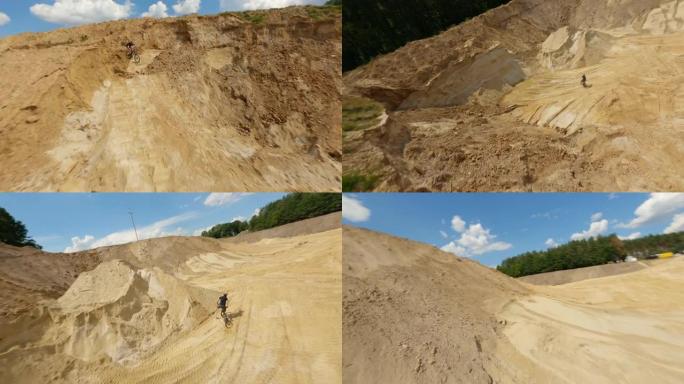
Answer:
(590, 252)
(291, 208)
(13, 231)
(576, 254)
(374, 27)
(654, 244)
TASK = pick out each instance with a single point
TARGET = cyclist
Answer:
(130, 46)
(222, 303)
(584, 80)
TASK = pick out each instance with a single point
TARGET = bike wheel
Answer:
(136, 58)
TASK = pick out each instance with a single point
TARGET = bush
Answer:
(356, 182)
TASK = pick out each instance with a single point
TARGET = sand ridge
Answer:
(414, 314)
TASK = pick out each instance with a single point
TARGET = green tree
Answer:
(291, 208)
(575, 254)
(13, 232)
(375, 27)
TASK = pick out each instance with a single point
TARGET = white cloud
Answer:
(227, 5)
(256, 212)
(677, 224)
(219, 199)
(458, 224)
(476, 240)
(237, 218)
(186, 7)
(551, 243)
(353, 210)
(4, 19)
(657, 207)
(157, 9)
(597, 216)
(444, 234)
(79, 244)
(198, 232)
(82, 11)
(613, 196)
(455, 249)
(595, 229)
(546, 215)
(264, 4)
(160, 228)
(631, 236)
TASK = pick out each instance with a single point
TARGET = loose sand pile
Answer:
(414, 314)
(496, 102)
(146, 314)
(225, 102)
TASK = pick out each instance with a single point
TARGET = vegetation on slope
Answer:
(360, 113)
(13, 232)
(291, 208)
(653, 244)
(587, 253)
(375, 27)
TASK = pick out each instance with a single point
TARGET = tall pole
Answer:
(134, 228)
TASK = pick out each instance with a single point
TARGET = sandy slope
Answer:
(496, 102)
(134, 319)
(579, 274)
(414, 314)
(217, 103)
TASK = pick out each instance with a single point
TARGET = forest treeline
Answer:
(374, 27)
(291, 208)
(590, 252)
(14, 232)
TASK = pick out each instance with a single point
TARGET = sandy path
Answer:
(285, 299)
(619, 329)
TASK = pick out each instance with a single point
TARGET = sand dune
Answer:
(137, 319)
(414, 314)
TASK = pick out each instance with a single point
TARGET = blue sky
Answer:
(18, 16)
(58, 221)
(491, 227)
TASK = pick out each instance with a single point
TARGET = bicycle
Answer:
(227, 320)
(133, 55)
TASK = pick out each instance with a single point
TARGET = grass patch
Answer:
(356, 182)
(360, 113)
(254, 17)
(324, 12)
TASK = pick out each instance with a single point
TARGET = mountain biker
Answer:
(584, 80)
(222, 303)
(130, 46)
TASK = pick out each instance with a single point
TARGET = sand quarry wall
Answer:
(217, 102)
(125, 316)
